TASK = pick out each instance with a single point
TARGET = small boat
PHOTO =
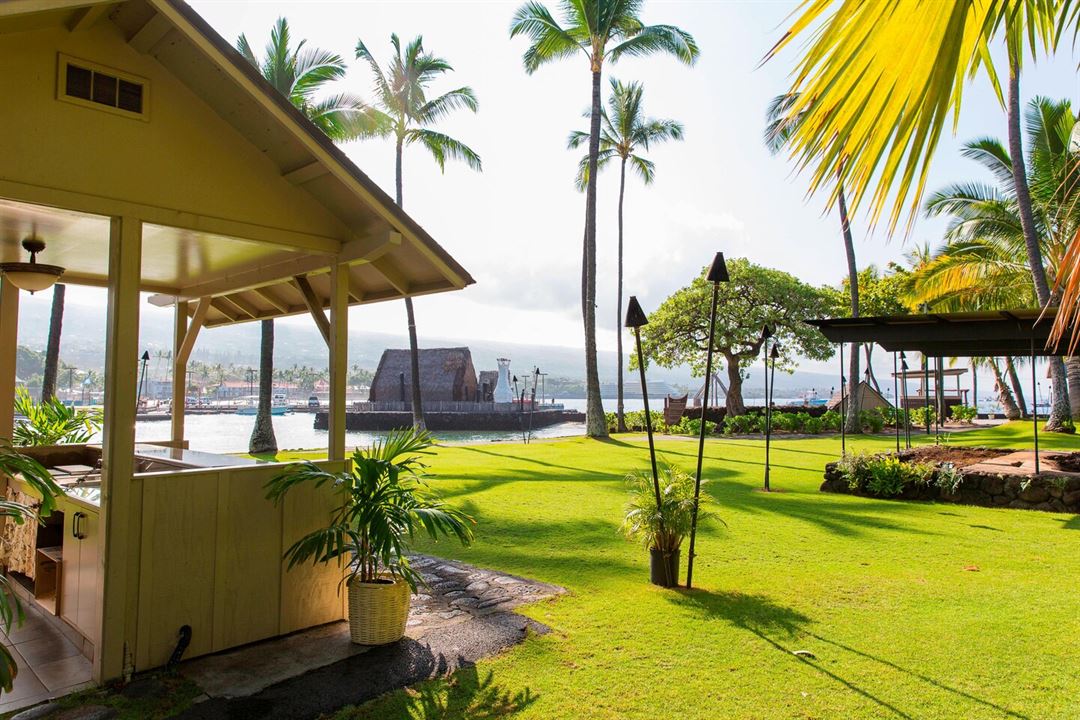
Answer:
(811, 398)
(254, 410)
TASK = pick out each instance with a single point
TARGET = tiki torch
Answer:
(768, 412)
(635, 318)
(766, 333)
(717, 274)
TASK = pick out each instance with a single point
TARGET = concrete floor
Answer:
(49, 664)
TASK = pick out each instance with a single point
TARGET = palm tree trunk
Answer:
(619, 411)
(851, 422)
(52, 349)
(410, 314)
(1017, 386)
(1008, 404)
(1059, 412)
(262, 435)
(595, 423)
(1072, 368)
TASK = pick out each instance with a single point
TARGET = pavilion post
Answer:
(339, 359)
(896, 400)
(179, 376)
(975, 387)
(926, 389)
(121, 510)
(1035, 405)
(9, 336)
(843, 405)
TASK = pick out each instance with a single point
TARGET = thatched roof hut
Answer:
(446, 374)
(869, 398)
(488, 378)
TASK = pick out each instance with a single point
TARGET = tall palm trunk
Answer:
(52, 349)
(410, 314)
(851, 422)
(595, 423)
(1072, 368)
(621, 420)
(262, 436)
(1059, 411)
(1017, 386)
(1008, 404)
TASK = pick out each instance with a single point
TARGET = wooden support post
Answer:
(9, 338)
(179, 378)
(183, 344)
(339, 359)
(121, 505)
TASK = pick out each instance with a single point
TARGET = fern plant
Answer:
(664, 528)
(384, 505)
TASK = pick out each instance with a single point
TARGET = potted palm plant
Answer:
(661, 527)
(384, 505)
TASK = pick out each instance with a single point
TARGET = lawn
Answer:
(910, 610)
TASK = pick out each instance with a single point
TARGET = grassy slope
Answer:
(912, 610)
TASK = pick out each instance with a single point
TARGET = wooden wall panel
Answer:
(247, 600)
(309, 593)
(179, 536)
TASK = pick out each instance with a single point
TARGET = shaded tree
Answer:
(678, 331)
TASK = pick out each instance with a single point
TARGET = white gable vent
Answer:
(102, 88)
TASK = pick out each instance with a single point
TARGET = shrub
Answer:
(871, 420)
(964, 413)
(813, 425)
(786, 422)
(886, 475)
(831, 421)
(923, 416)
(635, 421)
(745, 424)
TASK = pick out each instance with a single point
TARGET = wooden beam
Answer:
(277, 303)
(389, 270)
(84, 18)
(306, 173)
(238, 302)
(179, 378)
(191, 334)
(9, 335)
(314, 306)
(339, 359)
(121, 506)
(150, 34)
(219, 305)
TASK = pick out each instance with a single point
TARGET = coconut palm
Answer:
(881, 78)
(406, 114)
(52, 347)
(985, 263)
(602, 31)
(301, 74)
(626, 133)
(782, 119)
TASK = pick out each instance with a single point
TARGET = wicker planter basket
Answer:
(378, 611)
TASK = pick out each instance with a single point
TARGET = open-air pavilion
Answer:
(1000, 333)
(152, 159)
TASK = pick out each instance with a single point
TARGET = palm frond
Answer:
(549, 41)
(655, 39)
(459, 99)
(443, 147)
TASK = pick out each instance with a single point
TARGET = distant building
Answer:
(485, 384)
(446, 374)
(869, 398)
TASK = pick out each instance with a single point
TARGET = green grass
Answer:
(912, 610)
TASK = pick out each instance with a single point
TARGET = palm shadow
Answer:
(467, 694)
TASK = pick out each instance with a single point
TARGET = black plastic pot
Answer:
(664, 568)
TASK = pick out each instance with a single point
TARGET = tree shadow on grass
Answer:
(467, 693)
(1072, 523)
(579, 473)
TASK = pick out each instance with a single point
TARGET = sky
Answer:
(517, 226)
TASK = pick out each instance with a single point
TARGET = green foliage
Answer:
(52, 422)
(643, 522)
(964, 413)
(743, 424)
(37, 477)
(923, 416)
(871, 421)
(635, 421)
(879, 294)
(754, 297)
(384, 505)
(885, 475)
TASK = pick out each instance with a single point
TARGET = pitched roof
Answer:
(445, 374)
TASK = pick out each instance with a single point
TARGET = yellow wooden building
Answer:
(151, 158)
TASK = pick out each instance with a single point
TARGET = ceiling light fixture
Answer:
(32, 276)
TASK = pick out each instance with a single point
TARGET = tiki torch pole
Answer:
(766, 333)
(635, 318)
(896, 400)
(717, 274)
(768, 414)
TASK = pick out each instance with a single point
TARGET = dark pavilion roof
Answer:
(970, 334)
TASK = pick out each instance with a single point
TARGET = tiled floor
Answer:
(49, 664)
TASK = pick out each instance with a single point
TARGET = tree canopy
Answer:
(756, 296)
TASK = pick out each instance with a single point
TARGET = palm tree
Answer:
(879, 80)
(782, 120)
(602, 30)
(625, 134)
(300, 74)
(52, 348)
(405, 113)
(986, 261)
